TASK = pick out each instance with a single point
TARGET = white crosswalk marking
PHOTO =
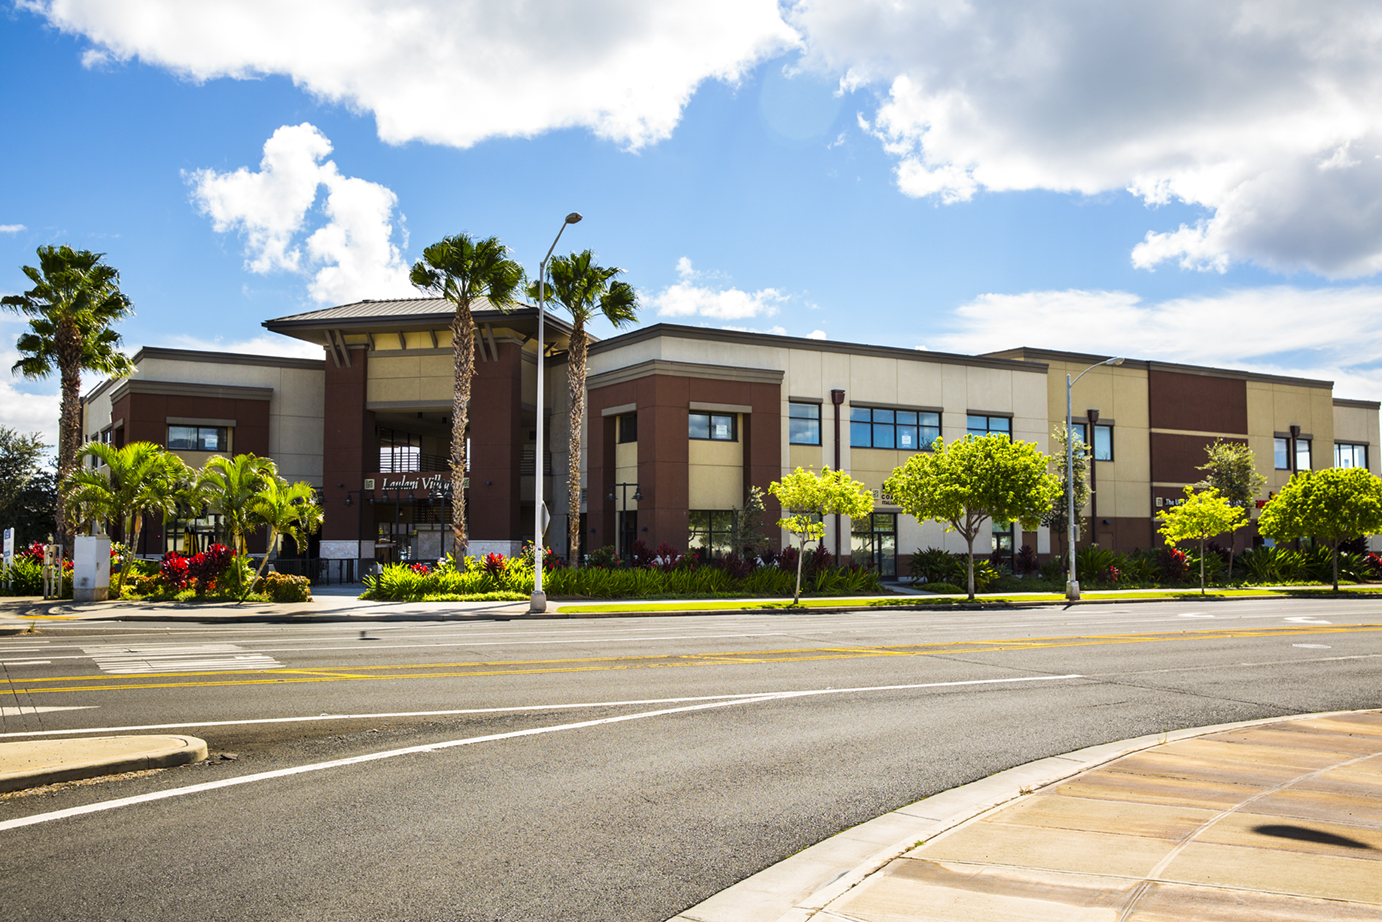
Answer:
(119, 659)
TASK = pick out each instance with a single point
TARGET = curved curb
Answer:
(32, 764)
(798, 887)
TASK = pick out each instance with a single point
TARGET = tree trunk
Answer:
(1201, 566)
(463, 358)
(969, 542)
(68, 346)
(575, 379)
(1334, 545)
(801, 556)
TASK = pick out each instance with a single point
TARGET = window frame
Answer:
(1353, 448)
(1309, 464)
(710, 418)
(1281, 453)
(792, 419)
(712, 547)
(626, 433)
(222, 434)
(988, 418)
(874, 424)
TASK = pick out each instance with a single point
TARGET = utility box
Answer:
(91, 569)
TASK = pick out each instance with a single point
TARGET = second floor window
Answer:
(804, 423)
(1102, 449)
(907, 430)
(1281, 454)
(628, 427)
(989, 425)
(198, 438)
(714, 427)
(1350, 454)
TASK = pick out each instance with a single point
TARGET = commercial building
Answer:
(681, 422)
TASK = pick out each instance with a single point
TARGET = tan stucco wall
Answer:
(1274, 407)
(1359, 424)
(715, 474)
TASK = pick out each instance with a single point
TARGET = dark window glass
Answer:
(1281, 454)
(710, 530)
(198, 438)
(873, 542)
(804, 423)
(182, 438)
(988, 425)
(700, 425)
(714, 426)
(628, 427)
(909, 430)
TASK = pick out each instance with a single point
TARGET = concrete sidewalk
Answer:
(1270, 821)
(33, 763)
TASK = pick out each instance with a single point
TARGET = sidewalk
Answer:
(33, 763)
(1270, 821)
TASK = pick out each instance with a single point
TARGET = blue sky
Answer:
(1168, 183)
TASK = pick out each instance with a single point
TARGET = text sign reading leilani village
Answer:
(418, 483)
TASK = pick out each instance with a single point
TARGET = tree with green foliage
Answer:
(974, 481)
(1332, 505)
(468, 273)
(21, 457)
(287, 509)
(31, 512)
(746, 528)
(75, 299)
(1231, 469)
(1199, 517)
(130, 483)
(808, 497)
(1055, 517)
(587, 291)
(230, 487)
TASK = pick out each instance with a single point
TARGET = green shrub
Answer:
(283, 587)
(846, 581)
(941, 588)
(937, 566)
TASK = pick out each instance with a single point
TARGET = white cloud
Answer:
(688, 298)
(452, 72)
(1329, 334)
(28, 406)
(265, 344)
(11, 228)
(352, 255)
(1264, 114)
(817, 334)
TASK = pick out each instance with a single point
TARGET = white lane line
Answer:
(26, 662)
(1309, 621)
(534, 707)
(1313, 646)
(135, 659)
(24, 709)
(1195, 614)
(450, 744)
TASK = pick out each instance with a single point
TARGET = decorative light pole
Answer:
(538, 603)
(1072, 586)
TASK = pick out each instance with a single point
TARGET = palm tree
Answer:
(140, 479)
(288, 509)
(230, 486)
(71, 307)
(465, 271)
(585, 290)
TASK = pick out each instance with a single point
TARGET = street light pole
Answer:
(1072, 585)
(538, 603)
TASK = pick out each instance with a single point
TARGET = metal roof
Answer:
(375, 310)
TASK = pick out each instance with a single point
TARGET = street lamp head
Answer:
(573, 218)
(1117, 361)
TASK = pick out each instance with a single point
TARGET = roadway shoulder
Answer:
(33, 763)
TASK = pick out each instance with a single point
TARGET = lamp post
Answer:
(1072, 586)
(538, 603)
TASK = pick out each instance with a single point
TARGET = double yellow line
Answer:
(406, 671)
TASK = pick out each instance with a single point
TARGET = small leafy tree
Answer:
(1200, 517)
(138, 480)
(1331, 505)
(20, 458)
(974, 481)
(808, 497)
(287, 509)
(1231, 469)
(230, 487)
(745, 532)
(1055, 517)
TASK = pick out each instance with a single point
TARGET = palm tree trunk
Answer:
(575, 380)
(68, 347)
(273, 533)
(463, 358)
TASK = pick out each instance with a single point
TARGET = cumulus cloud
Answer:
(1264, 114)
(256, 345)
(817, 334)
(352, 255)
(1331, 333)
(28, 406)
(452, 72)
(697, 295)
(11, 228)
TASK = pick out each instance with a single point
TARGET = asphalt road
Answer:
(618, 769)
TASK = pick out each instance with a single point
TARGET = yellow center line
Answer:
(401, 671)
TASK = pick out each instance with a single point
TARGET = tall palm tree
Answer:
(75, 299)
(466, 272)
(288, 509)
(140, 479)
(230, 486)
(585, 290)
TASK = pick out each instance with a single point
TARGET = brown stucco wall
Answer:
(1200, 403)
(348, 449)
(496, 441)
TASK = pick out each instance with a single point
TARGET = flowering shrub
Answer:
(420, 568)
(173, 570)
(207, 567)
(494, 564)
(1174, 564)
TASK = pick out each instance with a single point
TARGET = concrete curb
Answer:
(33, 764)
(797, 888)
